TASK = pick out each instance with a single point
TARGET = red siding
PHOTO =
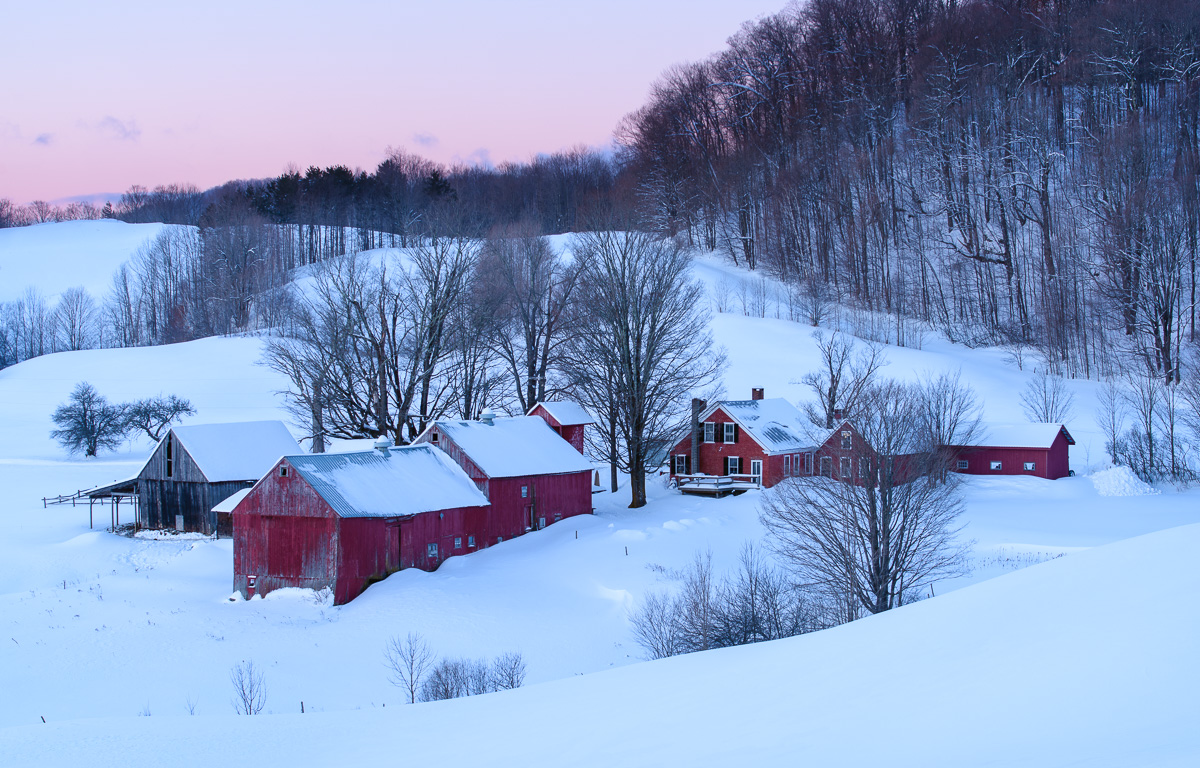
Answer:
(573, 434)
(1049, 463)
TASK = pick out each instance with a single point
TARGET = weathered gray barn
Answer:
(194, 468)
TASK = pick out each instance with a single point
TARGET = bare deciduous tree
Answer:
(1046, 399)
(409, 659)
(250, 688)
(153, 415)
(88, 423)
(644, 326)
(869, 542)
(845, 374)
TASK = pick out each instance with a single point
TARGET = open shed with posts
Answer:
(194, 468)
(343, 520)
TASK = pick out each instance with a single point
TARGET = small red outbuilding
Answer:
(566, 418)
(343, 520)
(1038, 450)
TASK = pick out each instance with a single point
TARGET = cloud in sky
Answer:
(480, 158)
(425, 139)
(44, 139)
(121, 130)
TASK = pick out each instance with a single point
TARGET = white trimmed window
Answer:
(808, 464)
(787, 465)
(963, 464)
(729, 431)
(431, 550)
(844, 468)
(996, 465)
(458, 542)
(1030, 466)
(681, 463)
(847, 440)
(710, 432)
(470, 541)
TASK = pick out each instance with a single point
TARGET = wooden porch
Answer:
(717, 485)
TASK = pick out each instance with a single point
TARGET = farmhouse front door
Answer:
(756, 470)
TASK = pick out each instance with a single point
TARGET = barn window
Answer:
(710, 432)
(730, 433)
(433, 437)
(847, 440)
(524, 491)
(557, 516)
(470, 541)
(681, 464)
(1029, 466)
(844, 468)
(996, 465)
(963, 464)
(283, 470)
(170, 458)
(458, 542)
(431, 550)
(499, 539)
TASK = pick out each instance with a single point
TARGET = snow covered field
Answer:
(1076, 653)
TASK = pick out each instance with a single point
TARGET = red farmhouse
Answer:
(343, 520)
(565, 418)
(757, 443)
(1038, 450)
(531, 476)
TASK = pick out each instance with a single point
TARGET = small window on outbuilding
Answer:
(963, 464)
(283, 470)
(1030, 466)
(433, 437)
(499, 539)
(458, 542)
(170, 457)
(470, 541)
(997, 465)
(431, 550)
(524, 491)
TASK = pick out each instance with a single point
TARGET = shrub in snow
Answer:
(250, 689)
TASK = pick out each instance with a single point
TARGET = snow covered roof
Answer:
(514, 447)
(1040, 435)
(774, 423)
(566, 413)
(409, 480)
(228, 504)
(239, 450)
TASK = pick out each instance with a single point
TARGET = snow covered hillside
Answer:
(55, 257)
(1088, 658)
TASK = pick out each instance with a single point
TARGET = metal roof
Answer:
(407, 481)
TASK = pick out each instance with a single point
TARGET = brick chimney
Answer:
(756, 393)
(698, 407)
(837, 414)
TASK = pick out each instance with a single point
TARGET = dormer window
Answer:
(847, 440)
(433, 437)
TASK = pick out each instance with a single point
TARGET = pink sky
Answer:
(101, 96)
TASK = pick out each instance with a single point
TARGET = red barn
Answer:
(566, 418)
(344, 520)
(1038, 450)
(530, 474)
